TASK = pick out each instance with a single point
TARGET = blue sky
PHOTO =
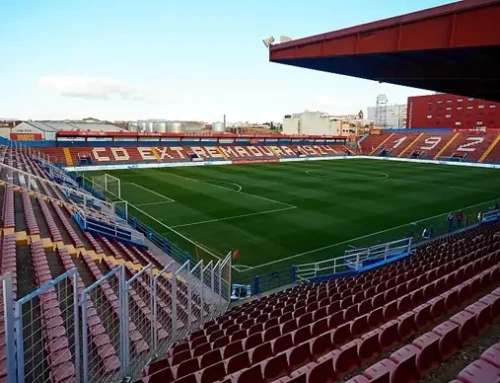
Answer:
(190, 59)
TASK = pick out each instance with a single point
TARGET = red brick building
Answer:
(450, 111)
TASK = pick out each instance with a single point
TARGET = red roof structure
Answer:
(454, 48)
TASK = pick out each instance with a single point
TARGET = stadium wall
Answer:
(120, 143)
(214, 163)
(419, 130)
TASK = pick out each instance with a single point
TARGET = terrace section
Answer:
(64, 278)
(322, 332)
(439, 145)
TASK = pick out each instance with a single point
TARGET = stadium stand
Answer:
(462, 146)
(417, 311)
(106, 155)
(52, 262)
(471, 146)
(486, 368)
(492, 154)
(319, 332)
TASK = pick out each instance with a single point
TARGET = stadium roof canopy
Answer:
(454, 48)
(55, 126)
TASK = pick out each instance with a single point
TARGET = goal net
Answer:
(108, 186)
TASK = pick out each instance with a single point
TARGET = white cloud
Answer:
(96, 88)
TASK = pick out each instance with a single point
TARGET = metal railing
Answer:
(110, 330)
(54, 171)
(490, 216)
(108, 227)
(354, 259)
(46, 326)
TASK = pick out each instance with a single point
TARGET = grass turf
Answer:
(291, 213)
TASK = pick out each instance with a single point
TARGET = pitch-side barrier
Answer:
(355, 260)
(301, 159)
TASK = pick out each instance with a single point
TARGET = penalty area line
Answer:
(153, 203)
(150, 191)
(228, 189)
(234, 217)
(179, 234)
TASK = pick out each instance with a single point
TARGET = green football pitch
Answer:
(292, 213)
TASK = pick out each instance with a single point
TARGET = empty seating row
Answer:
(428, 351)
(139, 345)
(444, 144)
(54, 230)
(336, 364)
(311, 291)
(288, 336)
(349, 295)
(484, 370)
(59, 357)
(95, 245)
(102, 348)
(69, 229)
(111, 249)
(29, 215)
(144, 312)
(132, 153)
(126, 252)
(8, 219)
(7, 265)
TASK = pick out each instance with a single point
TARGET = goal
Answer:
(109, 186)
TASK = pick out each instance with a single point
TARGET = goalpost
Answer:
(109, 186)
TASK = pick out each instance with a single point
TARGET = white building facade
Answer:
(323, 124)
(312, 123)
(396, 115)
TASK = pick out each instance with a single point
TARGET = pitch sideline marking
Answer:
(312, 171)
(241, 268)
(168, 200)
(396, 179)
(179, 234)
(445, 185)
(352, 239)
(152, 203)
(234, 191)
(235, 216)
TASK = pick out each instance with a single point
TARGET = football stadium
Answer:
(202, 257)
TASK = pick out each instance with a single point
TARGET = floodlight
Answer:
(285, 39)
(267, 42)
